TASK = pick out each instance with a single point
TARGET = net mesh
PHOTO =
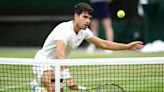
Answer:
(133, 77)
(15, 78)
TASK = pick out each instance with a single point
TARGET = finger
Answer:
(138, 42)
(135, 43)
(74, 87)
(139, 46)
(134, 48)
(137, 50)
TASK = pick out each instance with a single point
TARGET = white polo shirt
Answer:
(65, 32)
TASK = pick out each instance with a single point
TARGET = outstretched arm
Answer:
(109, 45)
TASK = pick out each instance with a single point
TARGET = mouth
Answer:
(86, 25)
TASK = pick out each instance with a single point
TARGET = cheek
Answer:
(90, 22)
(81, 21)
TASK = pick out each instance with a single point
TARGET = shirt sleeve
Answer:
(60, 33)
(88, 33)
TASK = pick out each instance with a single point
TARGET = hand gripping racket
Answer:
(107, 87)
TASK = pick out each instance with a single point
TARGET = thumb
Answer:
(135, 42)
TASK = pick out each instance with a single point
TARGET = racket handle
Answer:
(82, 88)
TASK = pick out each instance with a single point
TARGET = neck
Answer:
(76, 27)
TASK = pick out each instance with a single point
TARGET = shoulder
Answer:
(63, 26)
(87, 30)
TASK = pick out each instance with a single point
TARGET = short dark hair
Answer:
(83, 7)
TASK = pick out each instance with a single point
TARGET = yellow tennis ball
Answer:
(120, 14)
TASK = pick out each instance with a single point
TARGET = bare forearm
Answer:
(60, 56)
(115, 46)
(60, 52)
(109, 45)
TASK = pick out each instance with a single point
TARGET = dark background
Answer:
(28, 22)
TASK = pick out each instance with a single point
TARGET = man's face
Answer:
(83, 20)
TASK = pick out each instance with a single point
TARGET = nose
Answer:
(88, 20)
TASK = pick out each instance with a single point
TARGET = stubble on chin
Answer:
(84, 28)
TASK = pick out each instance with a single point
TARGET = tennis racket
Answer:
(107, 87)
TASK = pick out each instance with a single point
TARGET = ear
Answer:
(75, 15)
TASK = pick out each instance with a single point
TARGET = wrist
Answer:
(127, 46)
(65, 74)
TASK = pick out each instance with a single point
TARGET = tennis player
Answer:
(66, 37)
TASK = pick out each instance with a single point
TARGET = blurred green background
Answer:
(30, 53)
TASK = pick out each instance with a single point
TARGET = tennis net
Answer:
(103, 75)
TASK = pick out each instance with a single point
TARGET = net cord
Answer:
(74, 62)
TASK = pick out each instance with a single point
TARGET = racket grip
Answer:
(82, 88)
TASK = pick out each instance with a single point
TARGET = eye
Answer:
(85, 16)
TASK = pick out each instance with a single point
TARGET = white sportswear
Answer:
(64, 32)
